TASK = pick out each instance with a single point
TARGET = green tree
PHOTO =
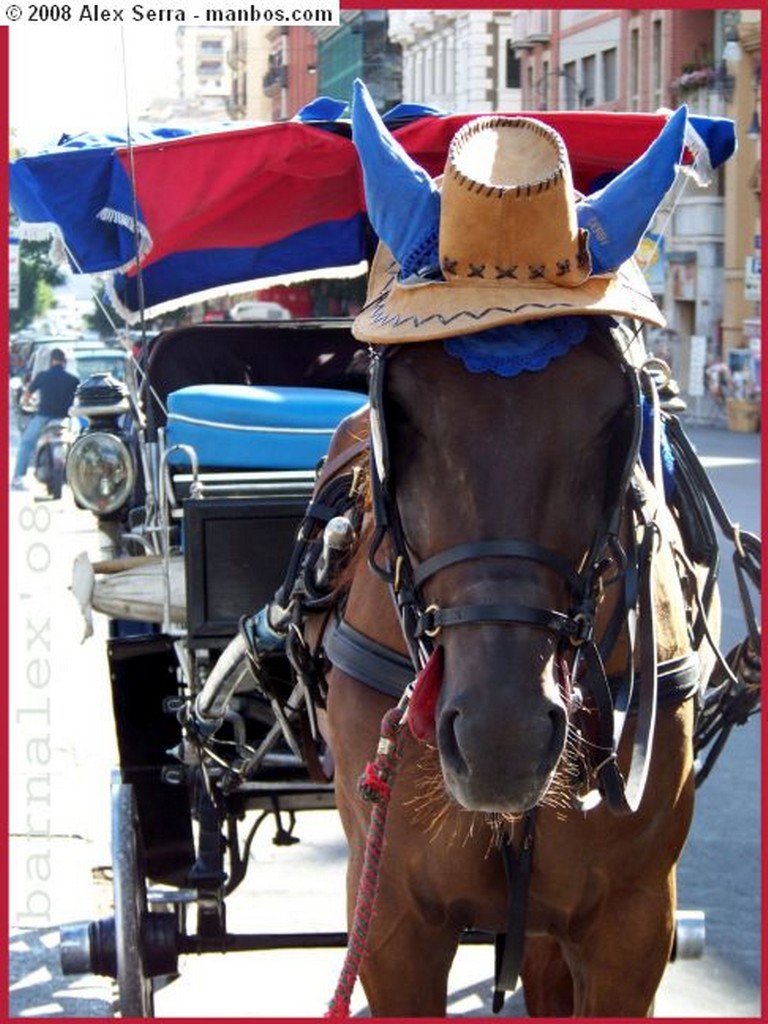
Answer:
(104, 321)
(38, 276)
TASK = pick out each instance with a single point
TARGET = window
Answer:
(512, 67)
(442, 76)
(609, 61)
(634, 69)
(450, 65)
(545, 84)
(656, 63)
(571, 84)
(588, 78)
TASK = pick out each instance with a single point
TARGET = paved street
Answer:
(62, 749)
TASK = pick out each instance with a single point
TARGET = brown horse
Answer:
(539, 460)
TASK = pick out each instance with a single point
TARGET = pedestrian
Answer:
(57, 390)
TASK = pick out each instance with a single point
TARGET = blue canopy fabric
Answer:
(201, 209)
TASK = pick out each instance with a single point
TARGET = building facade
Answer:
(702, 253)
(204, 78)
(249, 57)
(458, 60)
(742, 309)
(289, 80)
(304, 63)
(360, 47)
(204, 71)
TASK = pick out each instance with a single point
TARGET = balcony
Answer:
(694, 77)
(207, 68)
(530, 28)
(275, 79)
(210, 47)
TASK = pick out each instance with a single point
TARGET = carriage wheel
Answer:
(135, 988)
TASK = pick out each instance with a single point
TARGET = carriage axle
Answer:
(90, 947)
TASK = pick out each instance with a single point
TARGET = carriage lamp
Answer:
(100, 467)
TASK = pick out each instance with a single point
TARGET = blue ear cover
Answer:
(619, 214)
(403, 201)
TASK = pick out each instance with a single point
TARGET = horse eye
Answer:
(396, 411)
(398, 420)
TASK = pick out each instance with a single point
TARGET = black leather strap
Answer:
(432, 620)
(497, 549)
(364, 659)
(679, 679)
(509, 947)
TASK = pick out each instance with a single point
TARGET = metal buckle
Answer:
(434, 630)
(584, 625)
(354, 486)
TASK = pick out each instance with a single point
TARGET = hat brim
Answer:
(395, 313)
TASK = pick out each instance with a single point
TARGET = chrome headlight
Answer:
(100, 471)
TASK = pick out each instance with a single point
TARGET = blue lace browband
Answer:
(515, 348)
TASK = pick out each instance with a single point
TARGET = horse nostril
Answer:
(448, 743)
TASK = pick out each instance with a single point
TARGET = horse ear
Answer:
(617, 216)
(402, 200)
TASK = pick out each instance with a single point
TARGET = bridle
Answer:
(573, 627)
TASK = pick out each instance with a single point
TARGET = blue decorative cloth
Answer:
(515, 348)
(646, 451)
(322, 108)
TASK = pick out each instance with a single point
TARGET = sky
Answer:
(73, 78)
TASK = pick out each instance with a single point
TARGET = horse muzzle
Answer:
(494, 761)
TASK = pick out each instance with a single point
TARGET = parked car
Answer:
(253, 310)
(90, 359)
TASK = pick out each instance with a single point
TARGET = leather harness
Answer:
(421, 624)
(631, 692)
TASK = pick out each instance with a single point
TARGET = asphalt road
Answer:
(62, 749)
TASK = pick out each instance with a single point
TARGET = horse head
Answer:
(501, 478)
(511, 477)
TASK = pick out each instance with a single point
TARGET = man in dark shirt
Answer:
(57, 390)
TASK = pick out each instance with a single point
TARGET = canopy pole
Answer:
(148, 433)
(148, 411)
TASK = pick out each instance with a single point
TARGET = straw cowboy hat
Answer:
(502, 237)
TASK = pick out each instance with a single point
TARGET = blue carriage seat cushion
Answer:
(238, 426)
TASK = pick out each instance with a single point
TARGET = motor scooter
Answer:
(49, 459)
(51, 451)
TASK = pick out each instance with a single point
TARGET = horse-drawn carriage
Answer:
(327, 562)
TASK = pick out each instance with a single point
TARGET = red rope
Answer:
(375, 785)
